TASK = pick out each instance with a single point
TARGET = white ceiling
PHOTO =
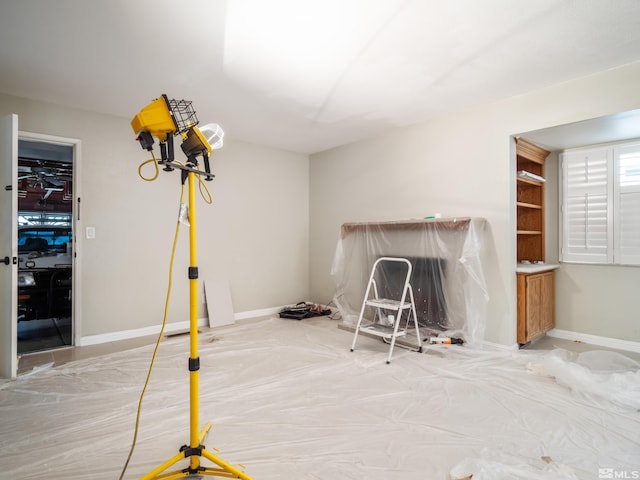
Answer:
(306, 75)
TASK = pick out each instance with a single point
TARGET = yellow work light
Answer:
(163, 119)
(155, 119)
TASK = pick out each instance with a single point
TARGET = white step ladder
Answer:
(385, 324)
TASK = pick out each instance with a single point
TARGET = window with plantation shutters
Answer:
(627, 203)
(585, 209)
(600, 207)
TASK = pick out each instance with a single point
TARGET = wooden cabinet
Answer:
(530, 200)
(536, 305)
(535, 290)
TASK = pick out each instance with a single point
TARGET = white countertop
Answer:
(535, 267)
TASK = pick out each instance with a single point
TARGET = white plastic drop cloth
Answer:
(289, 400)
(448, 274)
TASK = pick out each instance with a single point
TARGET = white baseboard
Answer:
(138, 332)
(499, 346)
(257, 313)
(265, 312)
(170, 328)
(614, 343)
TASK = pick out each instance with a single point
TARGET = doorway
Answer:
(45, 245)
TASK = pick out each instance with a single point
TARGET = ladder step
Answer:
(388, 304)
(382, 331)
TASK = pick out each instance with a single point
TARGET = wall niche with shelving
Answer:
(530, 180)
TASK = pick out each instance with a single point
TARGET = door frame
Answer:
(9, 244)
(76, 287)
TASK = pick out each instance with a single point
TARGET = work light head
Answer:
(202, 140)
(154, 120)
(163, 119)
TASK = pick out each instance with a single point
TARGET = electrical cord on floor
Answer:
(155, 351)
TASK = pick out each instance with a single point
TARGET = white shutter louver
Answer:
(628, 207)
(587, 232)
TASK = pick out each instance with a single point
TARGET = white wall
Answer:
(596, 300)
(255, 234)
(462, 164)
(276, 216)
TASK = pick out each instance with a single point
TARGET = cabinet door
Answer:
(536, 305)
(534, 286)
(521, 290)
(547, 319)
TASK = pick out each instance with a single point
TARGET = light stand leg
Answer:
(195, 450)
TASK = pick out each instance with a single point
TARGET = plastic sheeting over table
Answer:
(448, 279)
(288, 400)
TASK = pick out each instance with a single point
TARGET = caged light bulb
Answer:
(213, 133)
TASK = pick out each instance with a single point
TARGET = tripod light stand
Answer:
(164, 118)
